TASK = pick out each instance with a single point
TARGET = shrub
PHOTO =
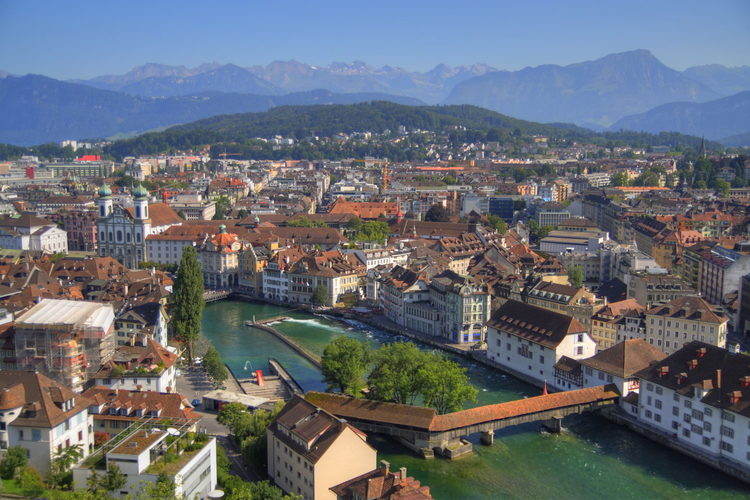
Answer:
(14, 459)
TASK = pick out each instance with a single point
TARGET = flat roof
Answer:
(139, 442)
(236, 397)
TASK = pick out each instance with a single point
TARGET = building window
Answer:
(728, 417)
(728, 447)
(675, 411)
(727, 431)
(688, 404)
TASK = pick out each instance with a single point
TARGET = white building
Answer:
(141, 457)
(140, 365)
(528, 340)
(310, 451)
(43, 416)
(698, 396)
(29, 232)
(675, 324)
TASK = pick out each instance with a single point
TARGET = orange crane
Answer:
(385, 170)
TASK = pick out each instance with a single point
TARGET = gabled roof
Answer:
(689, 307)
(40, 393)
(535, 324)
(312, 425)
(625, 358)
(172, 405)
(160, 215)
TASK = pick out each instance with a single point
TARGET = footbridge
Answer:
(424, 431)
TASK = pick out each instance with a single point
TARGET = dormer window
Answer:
(113, 411)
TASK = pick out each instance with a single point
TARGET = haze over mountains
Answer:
(595, 94)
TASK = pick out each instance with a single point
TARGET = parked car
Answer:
(196, 402)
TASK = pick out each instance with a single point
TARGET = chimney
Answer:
(718, 379)
(701, 352)
(692, 364)
(662, 371)
(745, 381)
(402, 473)
(385, 467)
(733, 397)
(680, 377)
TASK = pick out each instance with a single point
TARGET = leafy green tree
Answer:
(223, 205)
(148, 265)
(181, 215)
(215, 366)
(446, 386)
(14, 459)
(449, 180)
(242, 213)
(437, 213)
(575, 276)
(320, 295)
(301, 222)
(344, 364)
(62, 462)
(497, 223)
(188, 300)
(722, 187)
(544, 231)
(398, 373)
(649, 179)
(113, 480)
(701, 185)
(354, 224)
(236, 417)
(519, 205)
(376, 231)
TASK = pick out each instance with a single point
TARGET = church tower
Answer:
(140, 202)
(105, 201)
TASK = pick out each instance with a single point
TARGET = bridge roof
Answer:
(428, 419)
(375, 411)
(527, 406)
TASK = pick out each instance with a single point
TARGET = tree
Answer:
(215, 366)
(242, 213)
(301, 222)
(354, 224)
(14, 459)
(110, 481)
(397, 374)
(61, 463)
(320, 295)
(575, 276)
(235, 416)
(449, 180)
(344, 363)
(701, 185)
(223, 204)
(519, 205)
(722, 187)
(446, 386)
(436, 213)
(188, 299)
(376, 231)
(497, 223)
(181, 215)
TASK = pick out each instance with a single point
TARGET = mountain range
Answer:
(600, 94)
(36, 109)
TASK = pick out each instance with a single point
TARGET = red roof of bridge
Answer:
(426, 418)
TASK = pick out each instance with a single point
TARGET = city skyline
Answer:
(83, 40)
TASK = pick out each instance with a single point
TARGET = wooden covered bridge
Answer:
(424, 431)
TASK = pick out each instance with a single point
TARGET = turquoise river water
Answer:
(591, 459)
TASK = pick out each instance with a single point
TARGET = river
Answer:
(591, 459)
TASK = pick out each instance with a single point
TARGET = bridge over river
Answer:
(424, 431)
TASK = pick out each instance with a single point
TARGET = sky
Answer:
(83, 39)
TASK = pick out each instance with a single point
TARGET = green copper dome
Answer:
(140, 191)
(104, 191)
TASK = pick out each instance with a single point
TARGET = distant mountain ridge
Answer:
(600, 91)
(725, 117)
(35, 109)
(726, 81)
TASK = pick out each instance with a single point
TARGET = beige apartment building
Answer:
(677, 323)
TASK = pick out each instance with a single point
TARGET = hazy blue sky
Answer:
(82, 39)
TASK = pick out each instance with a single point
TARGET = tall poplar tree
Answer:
(188, 300)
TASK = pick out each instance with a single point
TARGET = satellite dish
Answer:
(215, 494)
(173, 432)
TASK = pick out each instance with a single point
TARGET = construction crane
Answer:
(385, 170)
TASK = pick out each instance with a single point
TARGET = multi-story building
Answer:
(675, 324)
(81, 229)
(338, 272)
(651, 290)
(551, 214)
(42, 416)
(616, 365)
(66, 340)
(311, 451)
(528, 340)
(141, 364)
(575, 301)
(115, 410)
(29, 232)
(465, 306)
(123, 232)
(195, 210)
(382, 484)
(144, 454)
(143, 320)
(698, 395)
(220, 260)
(276, 279)
(400, 287)
(617, 322)
(721, 271)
